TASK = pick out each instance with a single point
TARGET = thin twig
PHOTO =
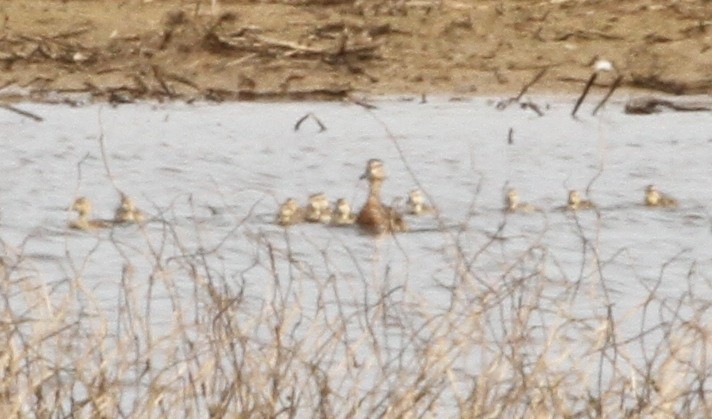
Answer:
(104, 159)
(503, 104)
(362, 103)
(590, 82)
(614, 86)
(79, 174)
(533, 81)
(322, 127)
(533, 106)
(23, 113)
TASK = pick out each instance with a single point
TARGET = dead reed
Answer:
(178, 326)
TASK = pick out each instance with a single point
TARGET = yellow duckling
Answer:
(655, 198)
(127, 212)
(318, 209)
(576, 203)
(82, 206)
(512, 203)
(375, 217)
(342, 214)
(290, 213)
(416, 203)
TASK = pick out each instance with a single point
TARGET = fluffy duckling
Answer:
(342, 214)
(512, 203)
(82, 206)
(290, 213)
(655, 198)
(318, 209)
(127, 212)
(374, 217)
(416, 203)
(576, 203)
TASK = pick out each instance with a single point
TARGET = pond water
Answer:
(214, 163)
(217, 173)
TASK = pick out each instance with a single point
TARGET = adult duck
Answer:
(375, 217)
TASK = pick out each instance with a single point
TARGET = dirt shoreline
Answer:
(123, 51)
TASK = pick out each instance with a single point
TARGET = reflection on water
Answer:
(213, 176)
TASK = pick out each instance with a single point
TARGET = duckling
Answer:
(513, 204)
(576, 203)
(655, 198)
(342, 214)
(82, 206)
(375, 217)
(127, 212)
(416, 203)
(318, 209)
(290, 213)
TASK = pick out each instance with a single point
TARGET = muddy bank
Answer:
(121, 51)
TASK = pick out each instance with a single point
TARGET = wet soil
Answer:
(122, 51)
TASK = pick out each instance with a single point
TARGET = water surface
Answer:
(212, 176)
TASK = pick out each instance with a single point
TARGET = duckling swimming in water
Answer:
(127, 212)
(576, 203)
(318, 209)
(416, 203)
(342, 215)
(655, 198)
(374, 217)
(512, 203)
(82, 206)
(290, 213)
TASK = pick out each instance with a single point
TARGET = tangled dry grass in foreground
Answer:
(515, 342)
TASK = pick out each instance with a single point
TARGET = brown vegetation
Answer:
(297, 336)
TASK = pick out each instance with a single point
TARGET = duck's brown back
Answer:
(371, 217)
(377, 218)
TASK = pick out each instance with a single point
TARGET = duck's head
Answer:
(319, 201)
(416, 197)
(82, 205)
(290, 204)
(511, 200)
(342, 207)
(652, 196)
(288, 209)
(127, 204)
(374, 170)
(574, 198)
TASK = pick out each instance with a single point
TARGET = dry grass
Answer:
(314, 339)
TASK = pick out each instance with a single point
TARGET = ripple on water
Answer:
(170, 169)
(457, 150)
